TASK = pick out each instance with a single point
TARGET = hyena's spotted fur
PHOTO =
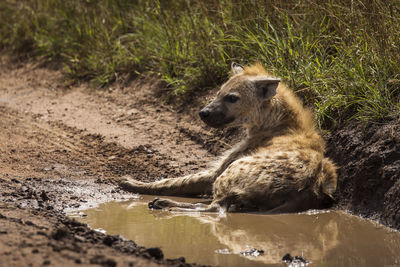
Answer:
(280, 165)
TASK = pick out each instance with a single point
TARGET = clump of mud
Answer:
(369, 161)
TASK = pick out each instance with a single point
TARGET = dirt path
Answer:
(63, 147)
(128, 116)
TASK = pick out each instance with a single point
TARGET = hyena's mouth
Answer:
(217, 120)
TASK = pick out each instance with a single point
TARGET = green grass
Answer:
(341, 57)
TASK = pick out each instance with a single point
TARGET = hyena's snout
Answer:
(215, 116)
(204, 114)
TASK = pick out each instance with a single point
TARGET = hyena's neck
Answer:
(275, 119)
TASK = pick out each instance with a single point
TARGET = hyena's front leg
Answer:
(162, 203)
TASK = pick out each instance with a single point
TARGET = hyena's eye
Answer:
(231, 98)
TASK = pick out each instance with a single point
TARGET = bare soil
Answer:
(64, 147)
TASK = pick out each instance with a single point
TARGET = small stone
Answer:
(294, 261)
(41, 233)
(29, 223)
(155, 253)
(109, 240)
(44, 196)
(79, 238)
(287, 258)
(60, 233)
(252, 252)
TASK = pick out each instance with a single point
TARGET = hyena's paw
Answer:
(160, 203)
(129, 184)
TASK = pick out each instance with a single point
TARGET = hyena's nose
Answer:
(204, 113)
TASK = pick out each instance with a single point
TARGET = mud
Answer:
(63, 146)
(369, 160)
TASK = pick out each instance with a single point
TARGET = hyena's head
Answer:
(241, 99)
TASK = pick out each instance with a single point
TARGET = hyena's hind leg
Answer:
(190, 185)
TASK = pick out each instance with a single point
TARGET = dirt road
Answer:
(65, 146)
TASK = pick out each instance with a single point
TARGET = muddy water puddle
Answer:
(324, 238)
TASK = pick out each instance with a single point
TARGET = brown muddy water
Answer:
(325, 238)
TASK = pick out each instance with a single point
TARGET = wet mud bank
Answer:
(369, 161)
(41, 179)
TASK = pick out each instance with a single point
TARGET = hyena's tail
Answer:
(190, 185)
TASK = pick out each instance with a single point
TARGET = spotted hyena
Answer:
(280, 165)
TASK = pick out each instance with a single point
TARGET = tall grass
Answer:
(342, 57)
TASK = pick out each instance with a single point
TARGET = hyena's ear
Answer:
(236, 68)
(265, 86)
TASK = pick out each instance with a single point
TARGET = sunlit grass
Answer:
(341, 57)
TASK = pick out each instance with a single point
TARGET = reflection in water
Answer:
(324, 238)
